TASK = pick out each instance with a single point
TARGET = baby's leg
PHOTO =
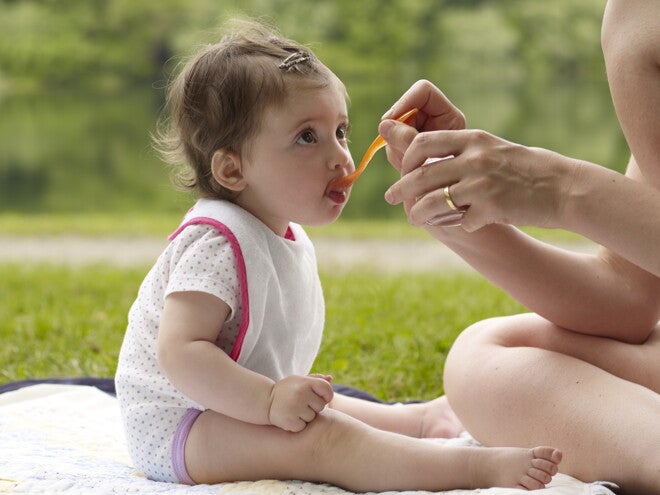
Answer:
(432, 419)
(341, 450)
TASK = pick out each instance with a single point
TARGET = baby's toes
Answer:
(541, 476)
(545, 466)
(530, 483)
(549, 453)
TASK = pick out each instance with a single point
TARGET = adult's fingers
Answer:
(436, 110)
(434, 145)
(397, 135)
(433, 176)
(434, 209)
(394, 156)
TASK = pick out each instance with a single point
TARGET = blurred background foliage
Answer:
(82, 84)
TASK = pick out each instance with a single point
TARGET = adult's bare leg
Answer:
(338, 449)
(521, 380)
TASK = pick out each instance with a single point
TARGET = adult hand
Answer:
(487, 179)
(296, 400)
(435, 109)
(435, 112)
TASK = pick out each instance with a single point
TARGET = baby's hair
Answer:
(218, 99)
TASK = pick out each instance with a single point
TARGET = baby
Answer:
(213, 378)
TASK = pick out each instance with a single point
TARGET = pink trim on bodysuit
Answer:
(242, 275)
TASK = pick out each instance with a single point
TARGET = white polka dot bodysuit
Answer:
(272, 287)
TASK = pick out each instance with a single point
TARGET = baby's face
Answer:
(300, 148)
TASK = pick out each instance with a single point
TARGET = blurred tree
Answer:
(559, 39)
(99, 43)
(89, 68)
(110, 43)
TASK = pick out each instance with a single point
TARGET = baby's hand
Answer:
(296, 400)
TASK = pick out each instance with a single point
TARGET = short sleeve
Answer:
(203, 260)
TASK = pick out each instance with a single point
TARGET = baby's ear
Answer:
(227, 171)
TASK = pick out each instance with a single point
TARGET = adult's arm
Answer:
(615, 293)
(603, 294)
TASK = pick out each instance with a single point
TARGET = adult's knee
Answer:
(483, 364)
(481, 341)
(461, 367)
(521, 330)
(468, 372)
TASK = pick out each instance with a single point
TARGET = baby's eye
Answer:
(342, 132)
(307, 137)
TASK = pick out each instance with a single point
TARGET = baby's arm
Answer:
(195, 365)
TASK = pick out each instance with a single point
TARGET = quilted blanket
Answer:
(67, 439)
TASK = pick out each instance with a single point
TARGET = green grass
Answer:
(161, 225)
(57, 321)
(388, 335)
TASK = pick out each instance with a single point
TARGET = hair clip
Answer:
(294, 59)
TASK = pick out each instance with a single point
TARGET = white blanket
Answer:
(64, 439)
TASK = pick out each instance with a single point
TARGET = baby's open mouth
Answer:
(338, 196)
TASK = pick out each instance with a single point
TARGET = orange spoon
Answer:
(377, 144)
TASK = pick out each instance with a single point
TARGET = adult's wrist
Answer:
(580, 190)
(566, 189)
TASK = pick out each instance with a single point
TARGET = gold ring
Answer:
(448, 199)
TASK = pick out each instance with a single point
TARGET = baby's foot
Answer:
(530, 469)
(439, 420)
